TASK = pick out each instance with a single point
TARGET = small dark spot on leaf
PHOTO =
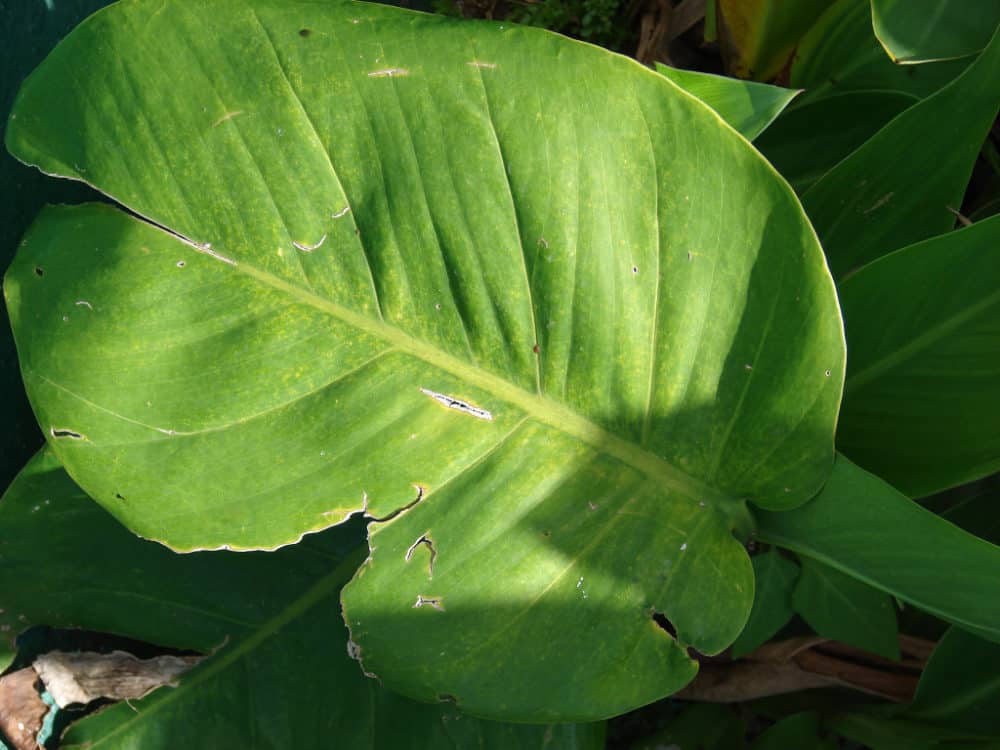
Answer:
(635, 269)
(304, 32)
(536, 349)
(39, 271)
(546, 533)
(119, 496)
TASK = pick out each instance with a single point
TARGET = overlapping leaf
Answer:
(923, 386)
(280, 674)
(573, 315)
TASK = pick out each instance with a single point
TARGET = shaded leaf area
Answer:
(757, 37)
(879, 732)
(840, 53)
(746, 105)
(596, 312)
(805, 142)
(800, 730)
(960, 688)
(843, 608)
(279, 673)
(707, 726)
(918, 31)
(863, 527)
(923, 386)
(28, 31)
(774, 577)
(881, 198)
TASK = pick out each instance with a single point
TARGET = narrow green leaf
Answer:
(840, 53)
(920, 31)
(844, 609)
(709, 726)
(805, 142)
(861, 526)
(757, 37)
(960, 686)
(746, 105)
(774, 577)
(280, 675)
(923, 380)
(521, 280)
(873, 729)
(901, 186)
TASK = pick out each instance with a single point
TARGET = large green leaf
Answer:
(918, 31)
(923, 381)
(841, 53)
(746, 105)
(898, 187)
(861, 526)
(573, 314)
(280, 676)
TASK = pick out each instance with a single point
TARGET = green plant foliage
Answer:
(27, 32)
(861, 526)
(844, 609)
(748, 106)
(919, 31)
(473, 324)
(960, 687)
(270, 621)
(775, 577)
(708, 726)
(805, 142)
(923, 386)
(841, 53)
(801, 731)
(882, 197)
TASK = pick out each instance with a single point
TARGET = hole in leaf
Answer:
(304, 33)
(39, 271)
(661, 620)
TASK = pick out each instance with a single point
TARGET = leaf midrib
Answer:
(538, 406)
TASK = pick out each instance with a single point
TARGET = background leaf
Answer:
(923, 385)
(709, 726)
(805, 142)
(757, 37)
(917, 31)
(883, 196)
(844, 609)
(529, 317)
(841, 53)
(774, 578)
(280, 674)
(799, 731)
(861, 526)
(746, 105)
(960, 687)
